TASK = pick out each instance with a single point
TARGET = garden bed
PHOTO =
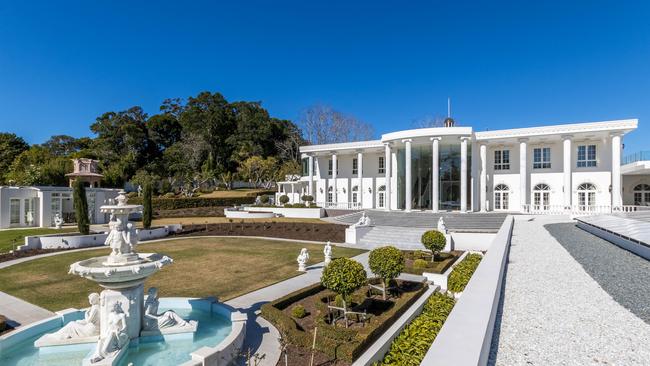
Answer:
(442, 262)
(284, 230)
(336, 344)
(4, 257)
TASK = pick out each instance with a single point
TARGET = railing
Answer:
(579, 210)
(340, 205)
(637, 156)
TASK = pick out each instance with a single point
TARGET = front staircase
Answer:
(403, 237)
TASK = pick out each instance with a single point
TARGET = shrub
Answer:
(435, 241)
(343, 276)
(265, 199)
(307, 198)
(420, 254)
(410, 346)
(420, 263)
(132, 195)
(147, 210)
(461, 274)
(169, 195)
(81, 207)
(298, 311)
(298, 205)
(3, 323)
(284, 199)
(387, 263)
(172, 203)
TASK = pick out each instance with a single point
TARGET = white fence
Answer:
(340, 205)
(579, 210)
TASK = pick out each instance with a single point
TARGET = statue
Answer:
(302, 260)
(441, 226)
(114, 337)
(86, 327)
(131, 237)
(153, 321)
(327, 251)
(139, 191)
(364, 220)
(58, 221)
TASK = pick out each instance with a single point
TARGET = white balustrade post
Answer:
(567, 172)
(407, 179)
(360, 178)
(523, 173)
(617, 199)
(435, 174)
(387, 170)
(483, 183)
(463, 174)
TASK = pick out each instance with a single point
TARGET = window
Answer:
(29, 211)
(355, 194)
(502, 160)
(382, 165)
(642, 195)
(501, 197)
(14, 211)
(586, 196)
(355, 166)
(330, 194)
(330, 165)
(541, 197)
(305, 167)
(542, 158)
(381, 197)
(586, 156)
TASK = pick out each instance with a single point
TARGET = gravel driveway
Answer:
(555, 313)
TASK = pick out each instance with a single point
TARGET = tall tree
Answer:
(10, 147)
(38, 166)
(325, 125)
(64, 145)
(81, 207)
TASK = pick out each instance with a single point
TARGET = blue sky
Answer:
(504, 64)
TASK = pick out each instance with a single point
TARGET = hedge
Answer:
(461, 274)
(3, 323)
(336, 342)
(412, 344)
(194, 202)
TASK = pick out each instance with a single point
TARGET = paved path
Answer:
(20, 312)
(554, 313)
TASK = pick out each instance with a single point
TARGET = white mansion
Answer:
(553, 168)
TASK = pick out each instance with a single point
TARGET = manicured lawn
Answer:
(220, 267)
(7, 237)
(223, 220)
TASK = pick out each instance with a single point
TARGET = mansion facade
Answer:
(551, 168)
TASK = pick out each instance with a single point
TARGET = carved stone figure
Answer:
(364, 220)
(302, 260)
(86, 327)
(327, 251)
(114, 337)
(58, 221)
(154, 321)
(441, 226)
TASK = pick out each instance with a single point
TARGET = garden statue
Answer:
(441, 226)
(302, 260)
(363, 220)
(153, 321)
(327, 251)
(114, 336)
(139, 191)
(86, 327)
(30, 218)
(58, 221)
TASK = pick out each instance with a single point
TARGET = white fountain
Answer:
(123, 316)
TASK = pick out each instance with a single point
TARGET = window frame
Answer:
(502, 159)
(542, 160)
(381, 165)
(355, 166)
(589, 158)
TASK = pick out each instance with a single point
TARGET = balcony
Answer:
(637, 156)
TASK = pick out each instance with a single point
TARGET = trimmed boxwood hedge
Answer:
(461, 274)
(194, 202)
(412, 344)
(336, 342)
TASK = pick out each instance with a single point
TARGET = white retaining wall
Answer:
(298, 213)
(466, 337)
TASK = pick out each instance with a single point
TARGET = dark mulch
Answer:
(298, 356)
(442, 262)
(4, 257)
(284, 230)
(191, 212)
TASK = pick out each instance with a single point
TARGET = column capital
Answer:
(465, 138)
(616, 134)
(359, 151)
(333, 153)
(523, 139)
(435, 138)
(407, 140)
(388, 143)
(567, 137)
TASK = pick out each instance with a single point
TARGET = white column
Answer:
(311, 176)
(482, 196)
(387, 170)
(463, 174)
(567, 171)
(523, 178)
(360, 177)
(407, 172)
(435, 172)
(293, 193)
(617, 199)
(334, 189)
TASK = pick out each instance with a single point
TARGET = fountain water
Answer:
(120, 315)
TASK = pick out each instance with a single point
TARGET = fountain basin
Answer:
(220, 331)
(131, 273)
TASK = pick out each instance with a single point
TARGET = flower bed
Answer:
(284, 230)
(461, 274)
(419, 261)
(409, 348)
(337, 342)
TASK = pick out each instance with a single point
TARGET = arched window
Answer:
(586, 196)
(541, 196)
(642, 194)
(330, 194)
(501, 197)
(381, 197)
